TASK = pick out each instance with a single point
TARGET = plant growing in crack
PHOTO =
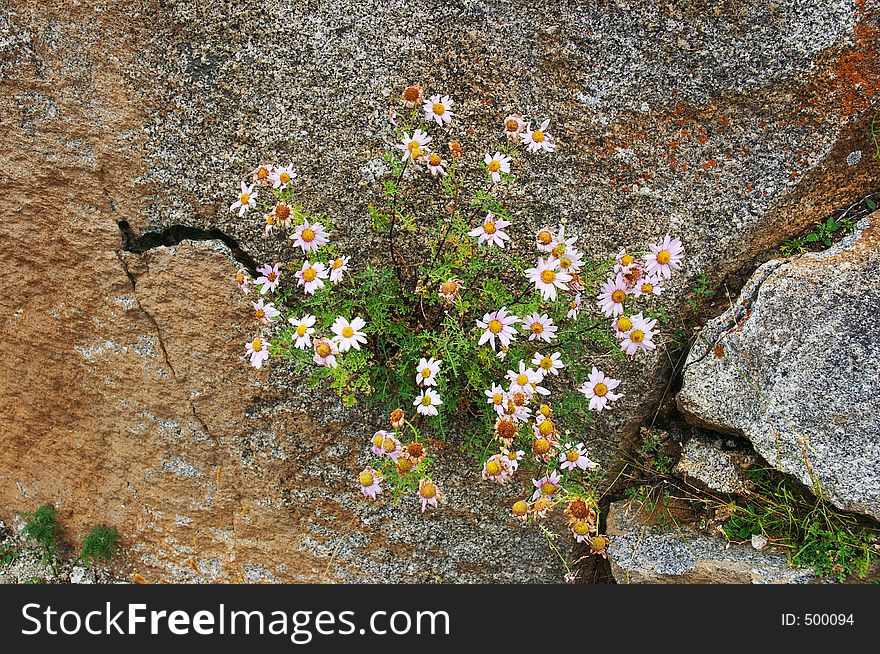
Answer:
(459, 324)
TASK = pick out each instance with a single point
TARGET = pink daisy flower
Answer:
(664, 257)
(598, 388)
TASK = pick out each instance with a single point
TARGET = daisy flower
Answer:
(436, 164)
(282, 211)
(427, 402)
(538, 140)
(571, 260)
(543, 450)
(624, 261)
(574, 307)
(514, 125)
(247, 199)
(270, 223)
(370, 482)
(348, 334)
(303, 328)
(622, 325)
(562, 245)
(265, 313)
(310, 237)
(547, 485)
(243, 281)
(498, 323)
(439, 109)
(413, 146)
(416, 452)
(640, 337)
(648, 286)
(575, 456)
(270, 277)
(262, 174)
(311, 276)
(544, 427)
(497, 164)
(581, 530)
(598, 388)
(545, 239)
(497, 398)
(520, 510)
(337, 268)
(491, 231)
(427, 371)
(449, 290)
(517, 410)
(413, 96)
(258, 351)
(612, 295)
(525, 380)
(539, 326)
(513, 457)
(428, 493)
(547, 364)
(282, 176)
(390, 447)
(377, 441)
(506, 431)
(664, 257)
(325, 352)
(497, 469)
(547, 277)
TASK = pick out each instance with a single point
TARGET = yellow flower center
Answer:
(309, 274)
(522, 379)
(544, 237)
(413, 147)
(337, 264)
(546, 427)
(404, 464)
(547, 488)
(245, 198)
(272, 276)
(581, 528)
(511, 456)
(565, 263)
(493, 467)
(489, 227)
(624, 324)
(260, 314)
(323, 350)
(426, 400)
(428, 490)
(544, 410)
(378, 439)
(618, 296)
(270, 219)
(284, 177)
(426, 373)
(647, 287)
(365, 478)
(598, 543)
(448, 287)
(546, 363)
(547, 276)
(434, 160)
(637, 336)
(389, 444)
(347, 332)
(600, 390)
(495, 326)
(498, 398)
(494, 166)
(257, 344)
(520, 508)
(663, 257)
(438, 108)
(537, 328)
(558, 251)
(239, 278)
(626, 260)
(308, 235)
(262, 173)
(541, 445)
(572, 455)
(301, 330)
(538, 136)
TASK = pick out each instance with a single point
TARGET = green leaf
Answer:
(870, 204)
(812, 237)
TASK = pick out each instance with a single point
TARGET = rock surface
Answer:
(706, 462)
(792, 366)
(646, 554)
(124, 396)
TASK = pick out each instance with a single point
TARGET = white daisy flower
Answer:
(538, 140)
(574, 307)
(612, 295)
(497, 397)
(258, 351)
(436, 164)
(497, 469)
(548, 364)
(664, 257)
(545, 239)
(370, 481)
(497, 164)
(270, 223)
(514, 125)
(303, 328)
(513, 458)
(640, 337)
(547, 485)
(265, 313)
(270, 277)
(491, 231)
(247, 199)
(571, 261)
(622, 325)
(262, 174)
(498, 323)
(575, 456)
(427, 371)
(624, 261)
(413, 146)
(311, 276)
(337, 267)
(310, 236)
(525, 380)
(547, 277)
(427, 402)
(599, 389)
(539, 326)
(562, 245)
(648, 286)
(325, 352)
(439, 109)
(282, 176)
(349, 334)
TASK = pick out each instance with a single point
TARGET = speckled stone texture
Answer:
(709, 462)
(650, 554)
(793, 366)
(730, 124)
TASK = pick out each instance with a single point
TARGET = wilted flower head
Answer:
(325, 352)
(416, 452)
(599, 545)
(579, 509)
(397, 418)
(370, 481)
(497, 469)
(428, 493)
(581, 530)
(262, 174)
(455, 149)
(242, 279)
(413, 96)
(435, 163)
(514, 125)
(520, 510)
(376, 443)
(449, 290)
(505, 431)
